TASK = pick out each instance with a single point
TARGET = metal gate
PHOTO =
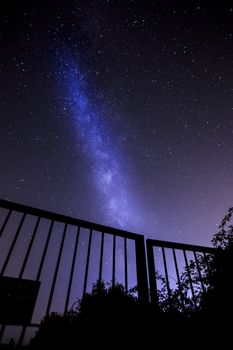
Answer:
(65, 255)
(55, 259)
(170, 260)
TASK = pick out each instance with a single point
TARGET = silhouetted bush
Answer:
(110, 315)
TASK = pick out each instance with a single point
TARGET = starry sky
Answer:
(119, 112)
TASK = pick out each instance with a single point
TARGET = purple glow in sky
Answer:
(99, 146)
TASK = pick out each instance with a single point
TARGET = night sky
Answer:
(119, 112)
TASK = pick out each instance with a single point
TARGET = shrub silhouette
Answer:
(108, 314)
(108, 311)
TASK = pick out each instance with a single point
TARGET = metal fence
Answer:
(66, 256)
(61, 252)
(169, 260)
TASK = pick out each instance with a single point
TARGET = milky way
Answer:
(97, 145)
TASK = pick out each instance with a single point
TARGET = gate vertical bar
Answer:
(72, 270)
(45, 251)
(166, 272)
(56, 270)
(207, 263)
(199, 271)
(5, 222)
(190, 278)
(23, 331)
(101, 257)
(29, 248)
(87, 263)
(178, 277)
(143, 293)
(13, 244)
(114, 261)
(152, 272)
(126, 265)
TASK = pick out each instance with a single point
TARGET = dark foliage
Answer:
(108, 315)
(108, 312)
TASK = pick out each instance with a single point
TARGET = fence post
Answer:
(152, 272)
(143, 293)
